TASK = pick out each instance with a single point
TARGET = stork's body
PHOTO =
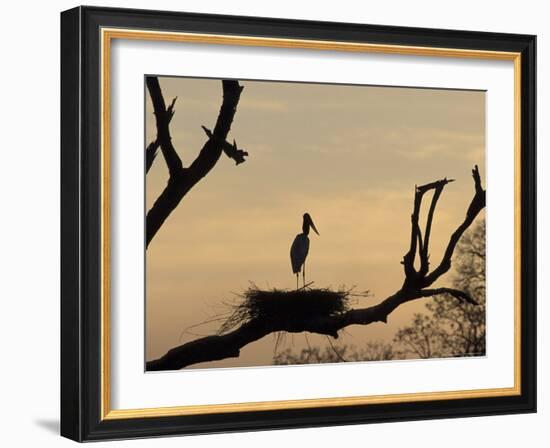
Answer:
(300, 249)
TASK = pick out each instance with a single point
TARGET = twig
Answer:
(307, 285)
(340, 357)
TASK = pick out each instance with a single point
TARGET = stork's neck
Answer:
(305, 228)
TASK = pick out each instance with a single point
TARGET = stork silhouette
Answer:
(300, 249)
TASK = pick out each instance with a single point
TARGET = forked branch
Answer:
(476, 205)
(182, 179)
(152, 149)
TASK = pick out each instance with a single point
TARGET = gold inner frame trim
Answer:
(107, 35)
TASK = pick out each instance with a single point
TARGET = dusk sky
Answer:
(348, 155)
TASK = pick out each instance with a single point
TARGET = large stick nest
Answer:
(280, 305)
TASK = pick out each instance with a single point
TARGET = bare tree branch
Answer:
(231, 150)
(477, 204)
(162, 118)
(416, 234)
(424, 255)
(181, 179)
(150, 154)
(463, 296)
(228, 345)
(217, 347)
(152, 149)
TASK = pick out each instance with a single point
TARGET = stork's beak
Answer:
(313, 226)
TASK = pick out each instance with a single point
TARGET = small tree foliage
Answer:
(451, 327)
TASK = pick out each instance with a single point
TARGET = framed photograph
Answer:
(275, 224)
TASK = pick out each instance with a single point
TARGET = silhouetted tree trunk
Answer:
(182, 179)
(416, 285)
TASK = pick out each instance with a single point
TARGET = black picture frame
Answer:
(81, 381)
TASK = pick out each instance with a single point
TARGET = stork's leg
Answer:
(304, 273)
(297, 277)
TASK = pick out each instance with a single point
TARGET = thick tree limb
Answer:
(217, 347)
(415, 286)
(182, 179)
